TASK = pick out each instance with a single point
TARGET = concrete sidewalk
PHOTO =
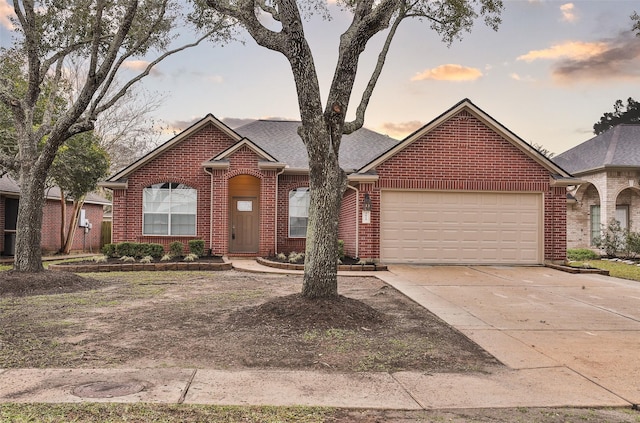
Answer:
(550, 387)
(532, 377)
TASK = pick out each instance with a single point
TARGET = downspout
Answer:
(275, 238)
(210, 208)
(357, 220)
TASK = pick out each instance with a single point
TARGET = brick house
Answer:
(608, 167)
(462, 189)
(52, 219)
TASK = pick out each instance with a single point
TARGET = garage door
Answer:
(461, 227)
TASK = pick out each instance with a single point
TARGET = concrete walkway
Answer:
(566, 340)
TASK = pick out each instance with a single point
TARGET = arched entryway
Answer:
(244, 214)
(583, 217)
(628, 209)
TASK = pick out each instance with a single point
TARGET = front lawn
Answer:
(616, 269)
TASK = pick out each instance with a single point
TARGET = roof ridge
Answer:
(611, 151)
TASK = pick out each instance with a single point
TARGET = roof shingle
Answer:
(618, 146)
(281, 140)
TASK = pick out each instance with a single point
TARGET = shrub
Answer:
(99, 259)
(340, 249)
(128, 249)
(191, 257)
(581, 254)
(281, 256)
(176, 249)
(127, 259)
(146, 259)
(618, 242)
(153, 250)
(166, 257)
(196, 246)
(632, 244)
(295, 257)
(109, 250)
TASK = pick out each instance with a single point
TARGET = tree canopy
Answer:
(52, 38)
(79, 165)
(621, 114)
(279, 25)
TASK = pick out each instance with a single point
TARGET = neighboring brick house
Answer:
(462, 189)
(52, 216)
(608, 166)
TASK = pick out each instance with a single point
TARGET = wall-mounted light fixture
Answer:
(366, 202)
(366, 208)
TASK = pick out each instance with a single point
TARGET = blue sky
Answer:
(548, 74)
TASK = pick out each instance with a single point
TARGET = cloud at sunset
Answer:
(6, 12)
(139, 66)
(568, 12)
(449, 72)
(576, 50)
(521, 78)
(612, 59)
(399, 129)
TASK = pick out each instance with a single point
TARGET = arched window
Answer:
(298, 212)
(169, 209)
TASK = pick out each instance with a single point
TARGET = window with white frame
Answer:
(169, 209)
(595, 223)
(622, 216)
(298, 212)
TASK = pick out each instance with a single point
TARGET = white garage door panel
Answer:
(461, 228)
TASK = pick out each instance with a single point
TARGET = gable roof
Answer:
(281, 140)
(466, 105)
(276, 141)
(617, 147)
(244, 143)
(202, 123)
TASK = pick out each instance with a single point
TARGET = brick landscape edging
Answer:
(136, 267)
(343, 267)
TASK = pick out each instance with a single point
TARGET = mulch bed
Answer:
(19, 284)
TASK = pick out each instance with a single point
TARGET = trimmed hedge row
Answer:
(141, 249)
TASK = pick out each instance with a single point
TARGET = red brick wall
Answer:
(461, 154)
(183, 164)
(464, 154)
(52, 218)
(555, 222)
(369, 234)
(286, 184)
(348, 226)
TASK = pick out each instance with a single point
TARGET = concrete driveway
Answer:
(537, 319)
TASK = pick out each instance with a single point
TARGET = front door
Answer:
(245, 229)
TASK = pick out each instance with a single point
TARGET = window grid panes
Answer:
(298, 212)
(169, 209)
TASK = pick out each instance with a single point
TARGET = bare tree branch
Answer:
(358, 121)
(96, 110)
(269, 9)
(8, 162)
(47, 118)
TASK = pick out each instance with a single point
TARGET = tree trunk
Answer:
(28, 254)
(327, 183)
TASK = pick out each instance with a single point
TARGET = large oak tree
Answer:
(621, 114)
(51, 37)
(324, 122)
